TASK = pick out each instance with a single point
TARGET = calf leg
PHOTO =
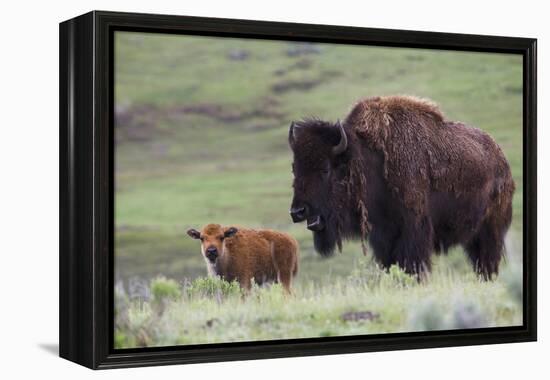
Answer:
(284, 261)
(245, 281)
(285, 278)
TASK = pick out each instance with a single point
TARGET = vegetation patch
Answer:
(211, 310)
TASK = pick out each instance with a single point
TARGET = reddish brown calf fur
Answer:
(245, 254)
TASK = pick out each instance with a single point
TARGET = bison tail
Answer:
(501, 210)
(487, 248)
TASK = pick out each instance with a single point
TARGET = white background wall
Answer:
(29, 189)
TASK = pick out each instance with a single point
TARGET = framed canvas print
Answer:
(235, 189)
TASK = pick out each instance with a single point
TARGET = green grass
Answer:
(366, 301)
(202, 138)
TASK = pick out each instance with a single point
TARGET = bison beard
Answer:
(412, 182)
(325, 240)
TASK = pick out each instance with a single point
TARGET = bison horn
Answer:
(343, 144)
(292, 132)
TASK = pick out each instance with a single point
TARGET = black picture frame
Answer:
(86, 189)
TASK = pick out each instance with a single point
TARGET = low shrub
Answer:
(512, 277)
(165, 289)
(213, 287)
(369, 274)
(163, 292)
(427, 316)
(467, 315)
(397, 277)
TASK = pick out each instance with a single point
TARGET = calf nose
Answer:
(211, 254)
(298, 214)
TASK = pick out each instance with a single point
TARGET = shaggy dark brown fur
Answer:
(409, 179)
(245, 254)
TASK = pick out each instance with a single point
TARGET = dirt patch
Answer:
(266, 109)
(209, 323)
(304, 84)
(238, 55)
(513, 89)
(356, 316)
(264, 321)
(258, 127)
(302, 48)
(137, 123)
(295, 85)
(302, 64)
(414, 57)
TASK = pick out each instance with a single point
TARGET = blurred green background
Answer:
(201, 135)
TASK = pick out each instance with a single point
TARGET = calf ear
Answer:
(230, 232)
(194, 233)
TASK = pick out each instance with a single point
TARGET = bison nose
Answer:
(298, 214)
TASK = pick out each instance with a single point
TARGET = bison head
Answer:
(321, 154)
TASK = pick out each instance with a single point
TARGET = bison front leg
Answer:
(485, 250)
(413, 247)
(382, 241)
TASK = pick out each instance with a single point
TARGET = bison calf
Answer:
(246, 254)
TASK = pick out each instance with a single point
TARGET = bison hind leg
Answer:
(486, 249)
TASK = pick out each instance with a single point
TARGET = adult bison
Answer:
(396, 171)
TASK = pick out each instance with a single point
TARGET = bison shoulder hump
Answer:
(380, 111)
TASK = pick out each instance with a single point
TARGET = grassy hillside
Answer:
(201, 137)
